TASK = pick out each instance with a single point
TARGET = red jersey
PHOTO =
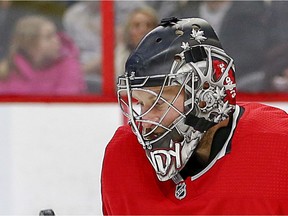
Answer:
(251, 179)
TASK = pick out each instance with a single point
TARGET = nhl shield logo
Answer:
(180, 191)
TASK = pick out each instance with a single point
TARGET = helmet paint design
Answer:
(185, 53)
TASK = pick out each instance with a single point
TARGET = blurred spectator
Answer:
(11, 11)
(277, 23)
(276, 68)
(51, 9)
(276, 65)
(124, 8)
(9, 14)
(241, 21)
(139, 22)
(40, 61)
(82, 22)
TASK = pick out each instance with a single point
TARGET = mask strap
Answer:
(195, 54)
(199, 124)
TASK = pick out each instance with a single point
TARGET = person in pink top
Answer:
(41, 61)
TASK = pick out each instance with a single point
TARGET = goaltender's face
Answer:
(159, 113)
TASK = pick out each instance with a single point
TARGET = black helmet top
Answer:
(156, 52)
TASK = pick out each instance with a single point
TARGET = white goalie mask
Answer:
(186, 56)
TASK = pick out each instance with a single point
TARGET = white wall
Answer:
(51, 156)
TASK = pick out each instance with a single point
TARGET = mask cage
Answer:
(190, 76)
(134, 114)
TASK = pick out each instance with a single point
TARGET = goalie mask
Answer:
(179, 66)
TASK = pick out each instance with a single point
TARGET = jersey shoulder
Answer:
(262, 118)
(122, 143)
